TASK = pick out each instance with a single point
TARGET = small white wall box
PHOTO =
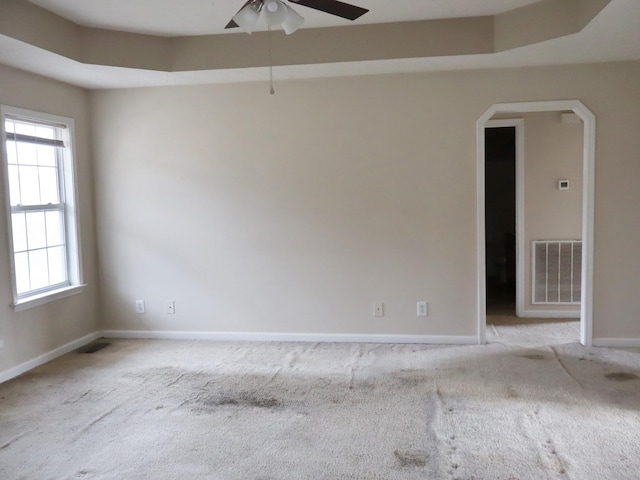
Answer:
(563, 184)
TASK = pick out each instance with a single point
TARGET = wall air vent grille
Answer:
(557, 271)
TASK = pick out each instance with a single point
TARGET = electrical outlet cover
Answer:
(139, 306)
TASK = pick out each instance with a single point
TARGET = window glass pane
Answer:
(38, 271)
(27, 153)
(46, 155)
(57, 265)
(25, 129)
(14, 185)
(54, 228)
(45, 132)
(49, 185)
(34, 180)
(29, 190)
(19, 228)
(36, 230)
(12, 156)
(21, 261)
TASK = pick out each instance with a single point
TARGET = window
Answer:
(40, 195)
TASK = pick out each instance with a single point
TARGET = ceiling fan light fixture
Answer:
(248, 16)
(293, 21)
(275, 12)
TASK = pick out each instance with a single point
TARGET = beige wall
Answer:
(36, 331)
(294, 212)
(553, 151)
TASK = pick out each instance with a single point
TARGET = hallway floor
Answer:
(504, 327)
(549, 331)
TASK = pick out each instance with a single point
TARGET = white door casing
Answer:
(589, 121)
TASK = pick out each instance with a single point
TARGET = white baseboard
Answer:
(47, 357)
(548, 314)
(292, 337)
(617, 342)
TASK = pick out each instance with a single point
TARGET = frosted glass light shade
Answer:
(293, 21)
(275, 12)
(247, 18)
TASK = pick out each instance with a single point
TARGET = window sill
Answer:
(37, 300)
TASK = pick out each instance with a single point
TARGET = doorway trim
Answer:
(588, 194)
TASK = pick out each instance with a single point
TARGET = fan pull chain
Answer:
(271, 91)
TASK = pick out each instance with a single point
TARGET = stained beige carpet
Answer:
(200, 410)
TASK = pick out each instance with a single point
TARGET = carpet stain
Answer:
(534, 356)
(412, 378)
(240, 400)
(621, 376)
(411, 458)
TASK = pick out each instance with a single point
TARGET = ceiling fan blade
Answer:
(232, 23)
(334, 7)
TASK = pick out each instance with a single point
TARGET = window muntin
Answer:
(42, 225)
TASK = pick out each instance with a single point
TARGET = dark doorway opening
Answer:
(500, 219)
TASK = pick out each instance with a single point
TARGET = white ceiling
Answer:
(202, 17)
(613, 35)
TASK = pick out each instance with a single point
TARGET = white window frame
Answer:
(68, 189)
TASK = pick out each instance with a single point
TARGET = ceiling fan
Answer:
(279, 13)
